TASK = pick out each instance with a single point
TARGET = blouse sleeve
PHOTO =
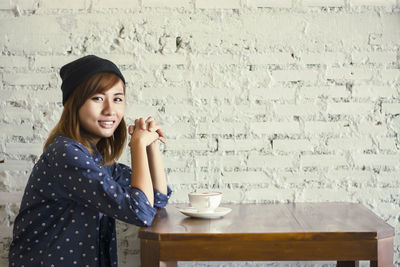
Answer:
(79, 178)
(122, 175)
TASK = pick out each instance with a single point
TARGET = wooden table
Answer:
(345, 232)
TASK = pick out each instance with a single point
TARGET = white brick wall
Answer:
(264, 100)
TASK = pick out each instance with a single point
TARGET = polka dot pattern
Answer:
(68, 211)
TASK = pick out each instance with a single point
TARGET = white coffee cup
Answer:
(205, 201)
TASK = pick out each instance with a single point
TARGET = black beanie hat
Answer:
(76, 72)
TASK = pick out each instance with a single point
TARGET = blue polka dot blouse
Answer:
(68, 211)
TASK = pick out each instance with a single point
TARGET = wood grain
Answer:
(346, 232)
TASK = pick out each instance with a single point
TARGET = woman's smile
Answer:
(107, 124)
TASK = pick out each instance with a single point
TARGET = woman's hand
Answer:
(146, 132)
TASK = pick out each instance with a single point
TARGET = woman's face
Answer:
(101, 114)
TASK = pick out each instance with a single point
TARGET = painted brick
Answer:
(328, 91)
(52, 96)
(159, 93)
(372, 128)
(59, 4)
(179, 76)
(256, 161)
(140, 111)
(270, 194)
(188, 144)
(178, 109)
(275, 127)
(16, 114)
(14, 61)
(349, 74)
(322, 161)
(210, 92)
(296, 110)
(355, 143)
(27, 79)
(387, 143)
(374, 92)
(249, 177)
(322, 58)
(221, 128)
(174, 162)
(178, 129)
(271, 58)
(181, 178)
(390, 75)
(319, 127)
(289, 145)
(275, 93)
(24, 149)
(162, 59)
(269, 3)
(20, 4)
(226, 161)
(136, 75)
(324, 195)
(376, 160)
(388, 178)
(243, 145)
(391, 108)
(386, 3)
(16, 165)
(18, 130)
(350, 176)
(323, 3)
(350, 108)
(217, 59)
(217, 4)
(10, 197)
(295, 75)
(374, 57)
(123, 4)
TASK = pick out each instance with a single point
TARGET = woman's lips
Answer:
(106, 124)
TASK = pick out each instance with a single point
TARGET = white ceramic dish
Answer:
(217, 213)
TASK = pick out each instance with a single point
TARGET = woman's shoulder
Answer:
(64, 144)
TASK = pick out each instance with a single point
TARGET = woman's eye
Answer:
(97, 98)
(118, 99)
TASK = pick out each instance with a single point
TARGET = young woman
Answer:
(77, 189)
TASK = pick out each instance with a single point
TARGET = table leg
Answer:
(348, 264)
(150, 255)
(385, 253)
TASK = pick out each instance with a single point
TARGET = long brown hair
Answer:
(69, 126)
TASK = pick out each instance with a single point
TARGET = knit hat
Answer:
(76, 72)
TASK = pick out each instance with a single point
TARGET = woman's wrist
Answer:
(136, 144)
(153, 146)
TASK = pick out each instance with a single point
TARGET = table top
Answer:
(288, 220)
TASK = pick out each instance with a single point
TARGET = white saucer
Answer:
(217, 213)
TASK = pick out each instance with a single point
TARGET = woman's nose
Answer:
(108, 108)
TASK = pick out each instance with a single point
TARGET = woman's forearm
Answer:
(141, 177)
(156, 165)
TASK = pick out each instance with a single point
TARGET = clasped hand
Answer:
(145, 132)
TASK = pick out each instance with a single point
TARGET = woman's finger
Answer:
(160, 132)
(131, 129)
(150, 125)
(149, 119)
(142, 124)
(162, 139)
